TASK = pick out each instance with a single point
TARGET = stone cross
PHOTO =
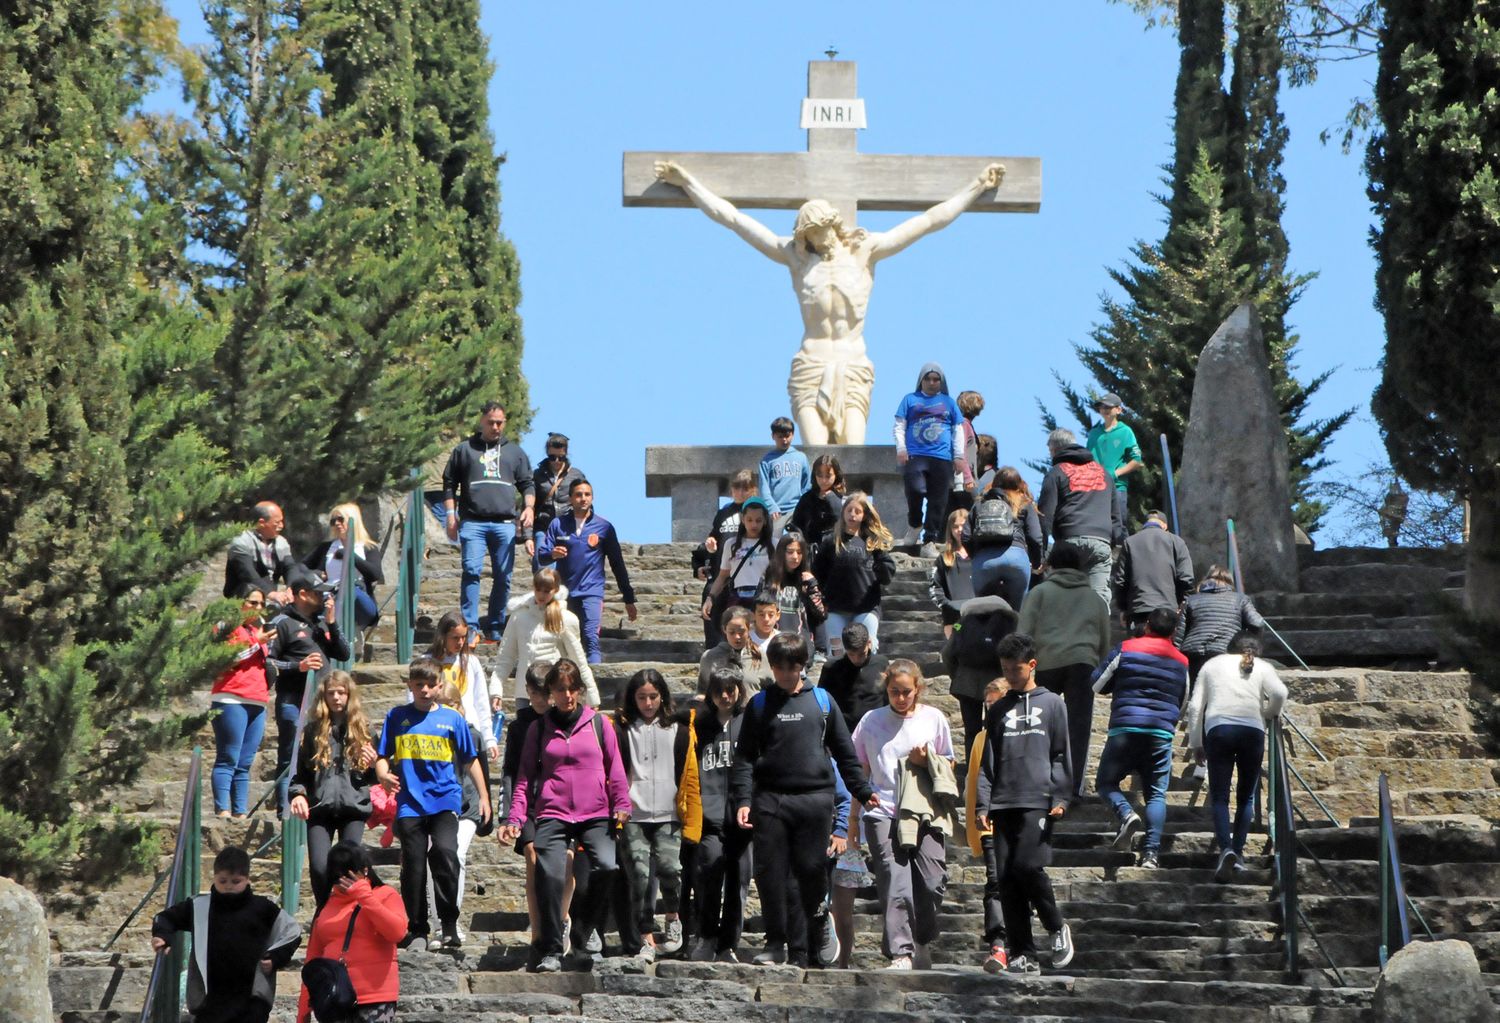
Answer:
(833, 168)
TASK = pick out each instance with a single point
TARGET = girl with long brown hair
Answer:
(852, 565)
(335, 769)
(1005, 538)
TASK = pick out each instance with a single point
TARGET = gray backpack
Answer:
(992, 522)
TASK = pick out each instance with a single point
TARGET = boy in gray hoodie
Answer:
(1024, 786)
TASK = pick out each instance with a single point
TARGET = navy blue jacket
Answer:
(582, 571)
(1147, 680)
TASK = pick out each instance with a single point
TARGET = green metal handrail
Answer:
(409, 580)
(1171, 486)
(1284, 846)
(294, 829)
(164, 992)
(1395, 928)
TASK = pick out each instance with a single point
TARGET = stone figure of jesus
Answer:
(833, 270)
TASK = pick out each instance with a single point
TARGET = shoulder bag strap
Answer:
(349, 934)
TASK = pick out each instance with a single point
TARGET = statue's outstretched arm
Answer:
(888, 243)
(723, 211)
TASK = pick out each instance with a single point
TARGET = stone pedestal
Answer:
(696, 477)
(1235, 462)
(24, 993)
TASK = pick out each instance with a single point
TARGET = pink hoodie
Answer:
(578, 780)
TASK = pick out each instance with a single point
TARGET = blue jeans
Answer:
(834, 625)
(590, 612)
(1004, 571)
(498, 541)
(288, 710)
(1233, 749)
(238, 729)
(1151, 757)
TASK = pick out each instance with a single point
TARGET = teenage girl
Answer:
(239, 699)
(852, 563)
(738, 652)
(541, 628)
(791, 581)
(1003, 565)
(743, 563)
(457, 665)
(910, 880)
(654, 748)
(335, 769)
(952, 579)
(818, 510)
(721, 857)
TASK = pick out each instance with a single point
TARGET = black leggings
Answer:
(791, 831)
(722, 867)
(320, 838)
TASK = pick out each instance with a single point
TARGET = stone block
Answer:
(24, 993)
(1437, 980)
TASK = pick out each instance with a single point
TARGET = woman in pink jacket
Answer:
(572, 785)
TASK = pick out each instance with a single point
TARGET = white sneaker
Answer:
(673, 938)
(773, 955)
(647, 954)
(913, 537)
(900, 963)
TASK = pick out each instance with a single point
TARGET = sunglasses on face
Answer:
(337, 520)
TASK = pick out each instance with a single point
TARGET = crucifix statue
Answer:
(832, 262)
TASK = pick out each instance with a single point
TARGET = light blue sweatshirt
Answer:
(784, 477)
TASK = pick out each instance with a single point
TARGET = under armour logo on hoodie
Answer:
(1014, 719)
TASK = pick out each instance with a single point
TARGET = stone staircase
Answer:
(1164, 945)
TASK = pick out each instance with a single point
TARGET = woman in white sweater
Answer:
(1236, 694)
(540, 627)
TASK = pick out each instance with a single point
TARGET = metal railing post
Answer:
(409, 580)
(294, 830)
(1233, 546)
(1171, 485)
(343, 608)
(1395, 927)
(1284, 838)
(164, 991)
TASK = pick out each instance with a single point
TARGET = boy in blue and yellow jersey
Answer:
(422, 748)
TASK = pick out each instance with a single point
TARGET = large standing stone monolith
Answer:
(24, 995)
(1234, 460)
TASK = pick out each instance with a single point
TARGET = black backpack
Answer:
(992, 521)
(977, 636)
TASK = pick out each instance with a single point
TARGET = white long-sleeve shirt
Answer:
(527, 641)
(1223, 695)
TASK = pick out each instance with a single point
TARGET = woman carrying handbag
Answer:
(354, 939)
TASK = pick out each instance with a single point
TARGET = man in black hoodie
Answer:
(1077, 505)
(781, 785)
(1024, 786)
(483, 477)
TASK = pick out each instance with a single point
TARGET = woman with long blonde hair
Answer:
(539, 627)
(852, 565)
(348, 537)
(335, 769)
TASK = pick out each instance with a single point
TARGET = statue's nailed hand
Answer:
(670, 172)
(992, 175)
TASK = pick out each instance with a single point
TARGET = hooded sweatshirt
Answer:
(582, 774)
(1067, 619)
(1078, 498)
(526, 636)
(1026, 760)
(929, 426)
(485, 478)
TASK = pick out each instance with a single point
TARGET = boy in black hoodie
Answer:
(781, 785)
(1024, 786)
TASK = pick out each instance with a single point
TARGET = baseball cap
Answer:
(306, 580)
(1109, 399)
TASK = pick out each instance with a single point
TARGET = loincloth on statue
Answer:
(832, 386)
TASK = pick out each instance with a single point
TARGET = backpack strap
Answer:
(542, 738)
(349, 934)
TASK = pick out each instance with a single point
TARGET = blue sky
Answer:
(652, 326)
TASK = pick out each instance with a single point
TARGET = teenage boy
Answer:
(240, 940)
(725, 525)
(484, 476)
(1024, 786)
(1147, 678)
(306, 638)
(929, 449)
(785, 474)
(428, 745)
(856, 681)
(577, 545)
(1114, 446)
(781, 785)
(767, 619)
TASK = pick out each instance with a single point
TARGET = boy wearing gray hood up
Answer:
(929, 449)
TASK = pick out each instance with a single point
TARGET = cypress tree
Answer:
(1146, 349)
(104, 485)
(1434, 169)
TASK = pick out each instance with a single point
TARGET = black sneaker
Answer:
(1224, 871)
(1025, 965)
(451, 938)
(1062, 946)
(549, 963)
(412, 937)
(1129, 828)
(1148, 861)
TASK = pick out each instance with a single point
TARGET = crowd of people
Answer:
(806, 760)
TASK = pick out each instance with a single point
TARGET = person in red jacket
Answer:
(239, 701)
(371, 958)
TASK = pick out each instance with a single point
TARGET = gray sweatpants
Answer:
(911, 883)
